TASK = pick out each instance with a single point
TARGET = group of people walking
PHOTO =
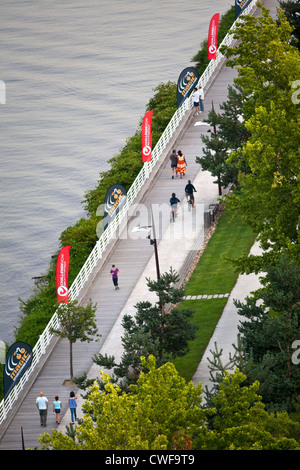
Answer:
(178, 163)
(42, 405)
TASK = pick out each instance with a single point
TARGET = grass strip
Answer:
(214, 274)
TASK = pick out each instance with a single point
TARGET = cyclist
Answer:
(189, 189)
(173, 203)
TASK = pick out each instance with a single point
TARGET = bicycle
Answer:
(189, 194)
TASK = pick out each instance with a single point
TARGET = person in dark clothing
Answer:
(189, 190)
(114, 274)
(174, 159)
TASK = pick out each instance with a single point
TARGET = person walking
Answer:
(56, 408)
(181, 164)
(189, 192)
(173, 158)
(201, 99)
(115, 276)
(42, 406)
(73, 406)
(196, 102)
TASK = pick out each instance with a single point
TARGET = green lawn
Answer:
(214, 274)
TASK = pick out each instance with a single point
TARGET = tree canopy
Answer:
(76, 322)
(163, 412)
(269, 195)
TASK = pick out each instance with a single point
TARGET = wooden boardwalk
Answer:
(131, 256)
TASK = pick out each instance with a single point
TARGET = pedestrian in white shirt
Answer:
(42, 406)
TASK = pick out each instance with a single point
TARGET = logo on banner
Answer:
(18, 360)
(147, 137)
(147, 150)
(213, 37)
(186, 83)
(62, 272)
(114, 200)
(62, 291)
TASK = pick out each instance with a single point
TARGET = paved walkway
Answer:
(133, 254)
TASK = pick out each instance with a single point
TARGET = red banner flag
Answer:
(62, 271)
(147, 137)
(213, 37)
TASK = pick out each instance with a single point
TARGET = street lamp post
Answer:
(152, 240)
(154, 243)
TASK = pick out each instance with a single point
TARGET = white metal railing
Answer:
(107, 236)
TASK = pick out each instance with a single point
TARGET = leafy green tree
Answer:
(229, 134)
(241, 422)
(265, 60)
(160, 329)
(269, 195)
(76, 322)
(159, 406)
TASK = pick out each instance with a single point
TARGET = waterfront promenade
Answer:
(134, 256)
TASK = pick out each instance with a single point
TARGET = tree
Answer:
(161, 329)
(269, 195)
(163, 412)
(271, 327)
(76, 323)
(240, 421)
(229, 134)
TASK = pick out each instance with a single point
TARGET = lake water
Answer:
(78, 75)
